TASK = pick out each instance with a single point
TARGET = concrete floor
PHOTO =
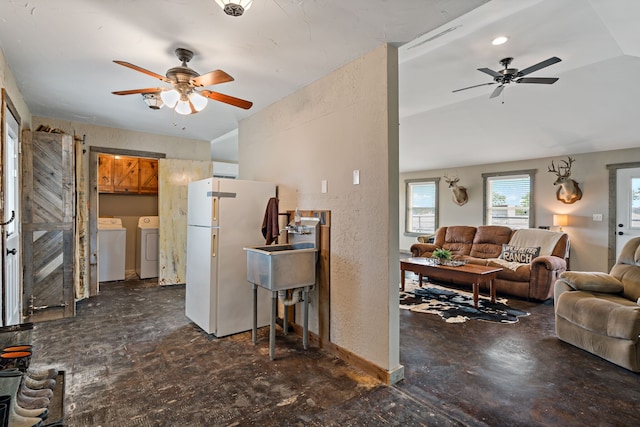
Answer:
(132, 358)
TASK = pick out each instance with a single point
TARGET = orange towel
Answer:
(270, 227)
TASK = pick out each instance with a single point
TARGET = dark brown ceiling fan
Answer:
(186, 84)
(513, 75)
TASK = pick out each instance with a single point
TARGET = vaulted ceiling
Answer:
(61, 54)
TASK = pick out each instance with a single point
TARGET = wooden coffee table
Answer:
(469, 273)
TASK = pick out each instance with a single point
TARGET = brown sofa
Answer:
(600, 312)
(483, 245)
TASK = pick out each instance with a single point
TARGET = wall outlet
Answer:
(356, 177)
(323, 186)
(597, 217)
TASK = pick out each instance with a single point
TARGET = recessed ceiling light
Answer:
(499, 40)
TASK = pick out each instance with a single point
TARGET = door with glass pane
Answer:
(11, 222)
(628, 206)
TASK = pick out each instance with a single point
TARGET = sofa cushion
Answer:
(488, 241)
(592, 281)
(603, 314)
(626, 269)
(518, 254)
(458, 239)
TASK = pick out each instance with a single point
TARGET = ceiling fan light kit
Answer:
(153, 100)
(234, 7)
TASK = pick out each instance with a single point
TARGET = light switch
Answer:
(324, 185)
(356, 177)
(597, 217)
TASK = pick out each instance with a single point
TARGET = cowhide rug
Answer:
(456, 306)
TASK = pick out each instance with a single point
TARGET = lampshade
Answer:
(153, 100)
(198, 101)
(183, 107)
(170, 97)
(560, 220)
(234, 7)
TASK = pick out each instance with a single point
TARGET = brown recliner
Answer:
(599, 312)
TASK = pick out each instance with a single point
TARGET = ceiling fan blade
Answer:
(497, 91)
(541, 80)
(236, 102)
(490, 72)
(212, 78)
(539, 66)
(134, 91)
(142, 70)
(471, 87)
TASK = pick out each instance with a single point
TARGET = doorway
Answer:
(624, 206)
(127, 207)
(11, 277)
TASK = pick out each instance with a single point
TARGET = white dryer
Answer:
(147, 247)
(112, 246)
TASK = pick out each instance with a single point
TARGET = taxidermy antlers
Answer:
(569, 191)
(458, 192)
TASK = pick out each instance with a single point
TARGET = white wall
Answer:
(589, 239)
(345, 121)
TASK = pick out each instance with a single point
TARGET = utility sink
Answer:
(281, 267)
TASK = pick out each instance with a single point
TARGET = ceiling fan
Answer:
(512, 75)
(185, 94)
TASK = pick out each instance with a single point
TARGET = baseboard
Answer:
(370, 368)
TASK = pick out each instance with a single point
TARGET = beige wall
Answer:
(343, 122)
(589, 239)
(129, 208)
(8, 82)
(101, 136)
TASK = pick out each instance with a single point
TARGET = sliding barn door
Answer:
(48, 202)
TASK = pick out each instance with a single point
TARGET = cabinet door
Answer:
(148, 176)
(125, 174)
(105, 173)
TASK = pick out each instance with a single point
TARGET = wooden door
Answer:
(125, 174)
(48, 206)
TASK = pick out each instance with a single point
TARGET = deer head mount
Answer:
(569, 192)
(458, 192)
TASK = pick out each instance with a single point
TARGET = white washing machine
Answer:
(112, 247)
(147, 247)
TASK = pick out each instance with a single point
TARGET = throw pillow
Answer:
(592, 281)
(518, 254)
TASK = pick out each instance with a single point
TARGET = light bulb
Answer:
(170, 97)
(198, 101)
(183, 107)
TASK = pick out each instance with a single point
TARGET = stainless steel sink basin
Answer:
(280, 267)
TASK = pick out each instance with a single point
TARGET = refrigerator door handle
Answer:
(213, 245)
(214, 209)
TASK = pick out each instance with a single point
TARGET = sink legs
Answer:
(272, 327)
(305, 313)
(274, 314)
(254, 329)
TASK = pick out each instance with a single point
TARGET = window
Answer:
(508, 199)
(422, 206)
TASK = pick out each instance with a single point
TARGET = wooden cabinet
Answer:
(105, 173)
(148, 176)
(123, 174)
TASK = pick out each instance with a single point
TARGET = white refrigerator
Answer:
(224, 216)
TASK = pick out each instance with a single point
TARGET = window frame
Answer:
(408, 209)
(485, 183)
